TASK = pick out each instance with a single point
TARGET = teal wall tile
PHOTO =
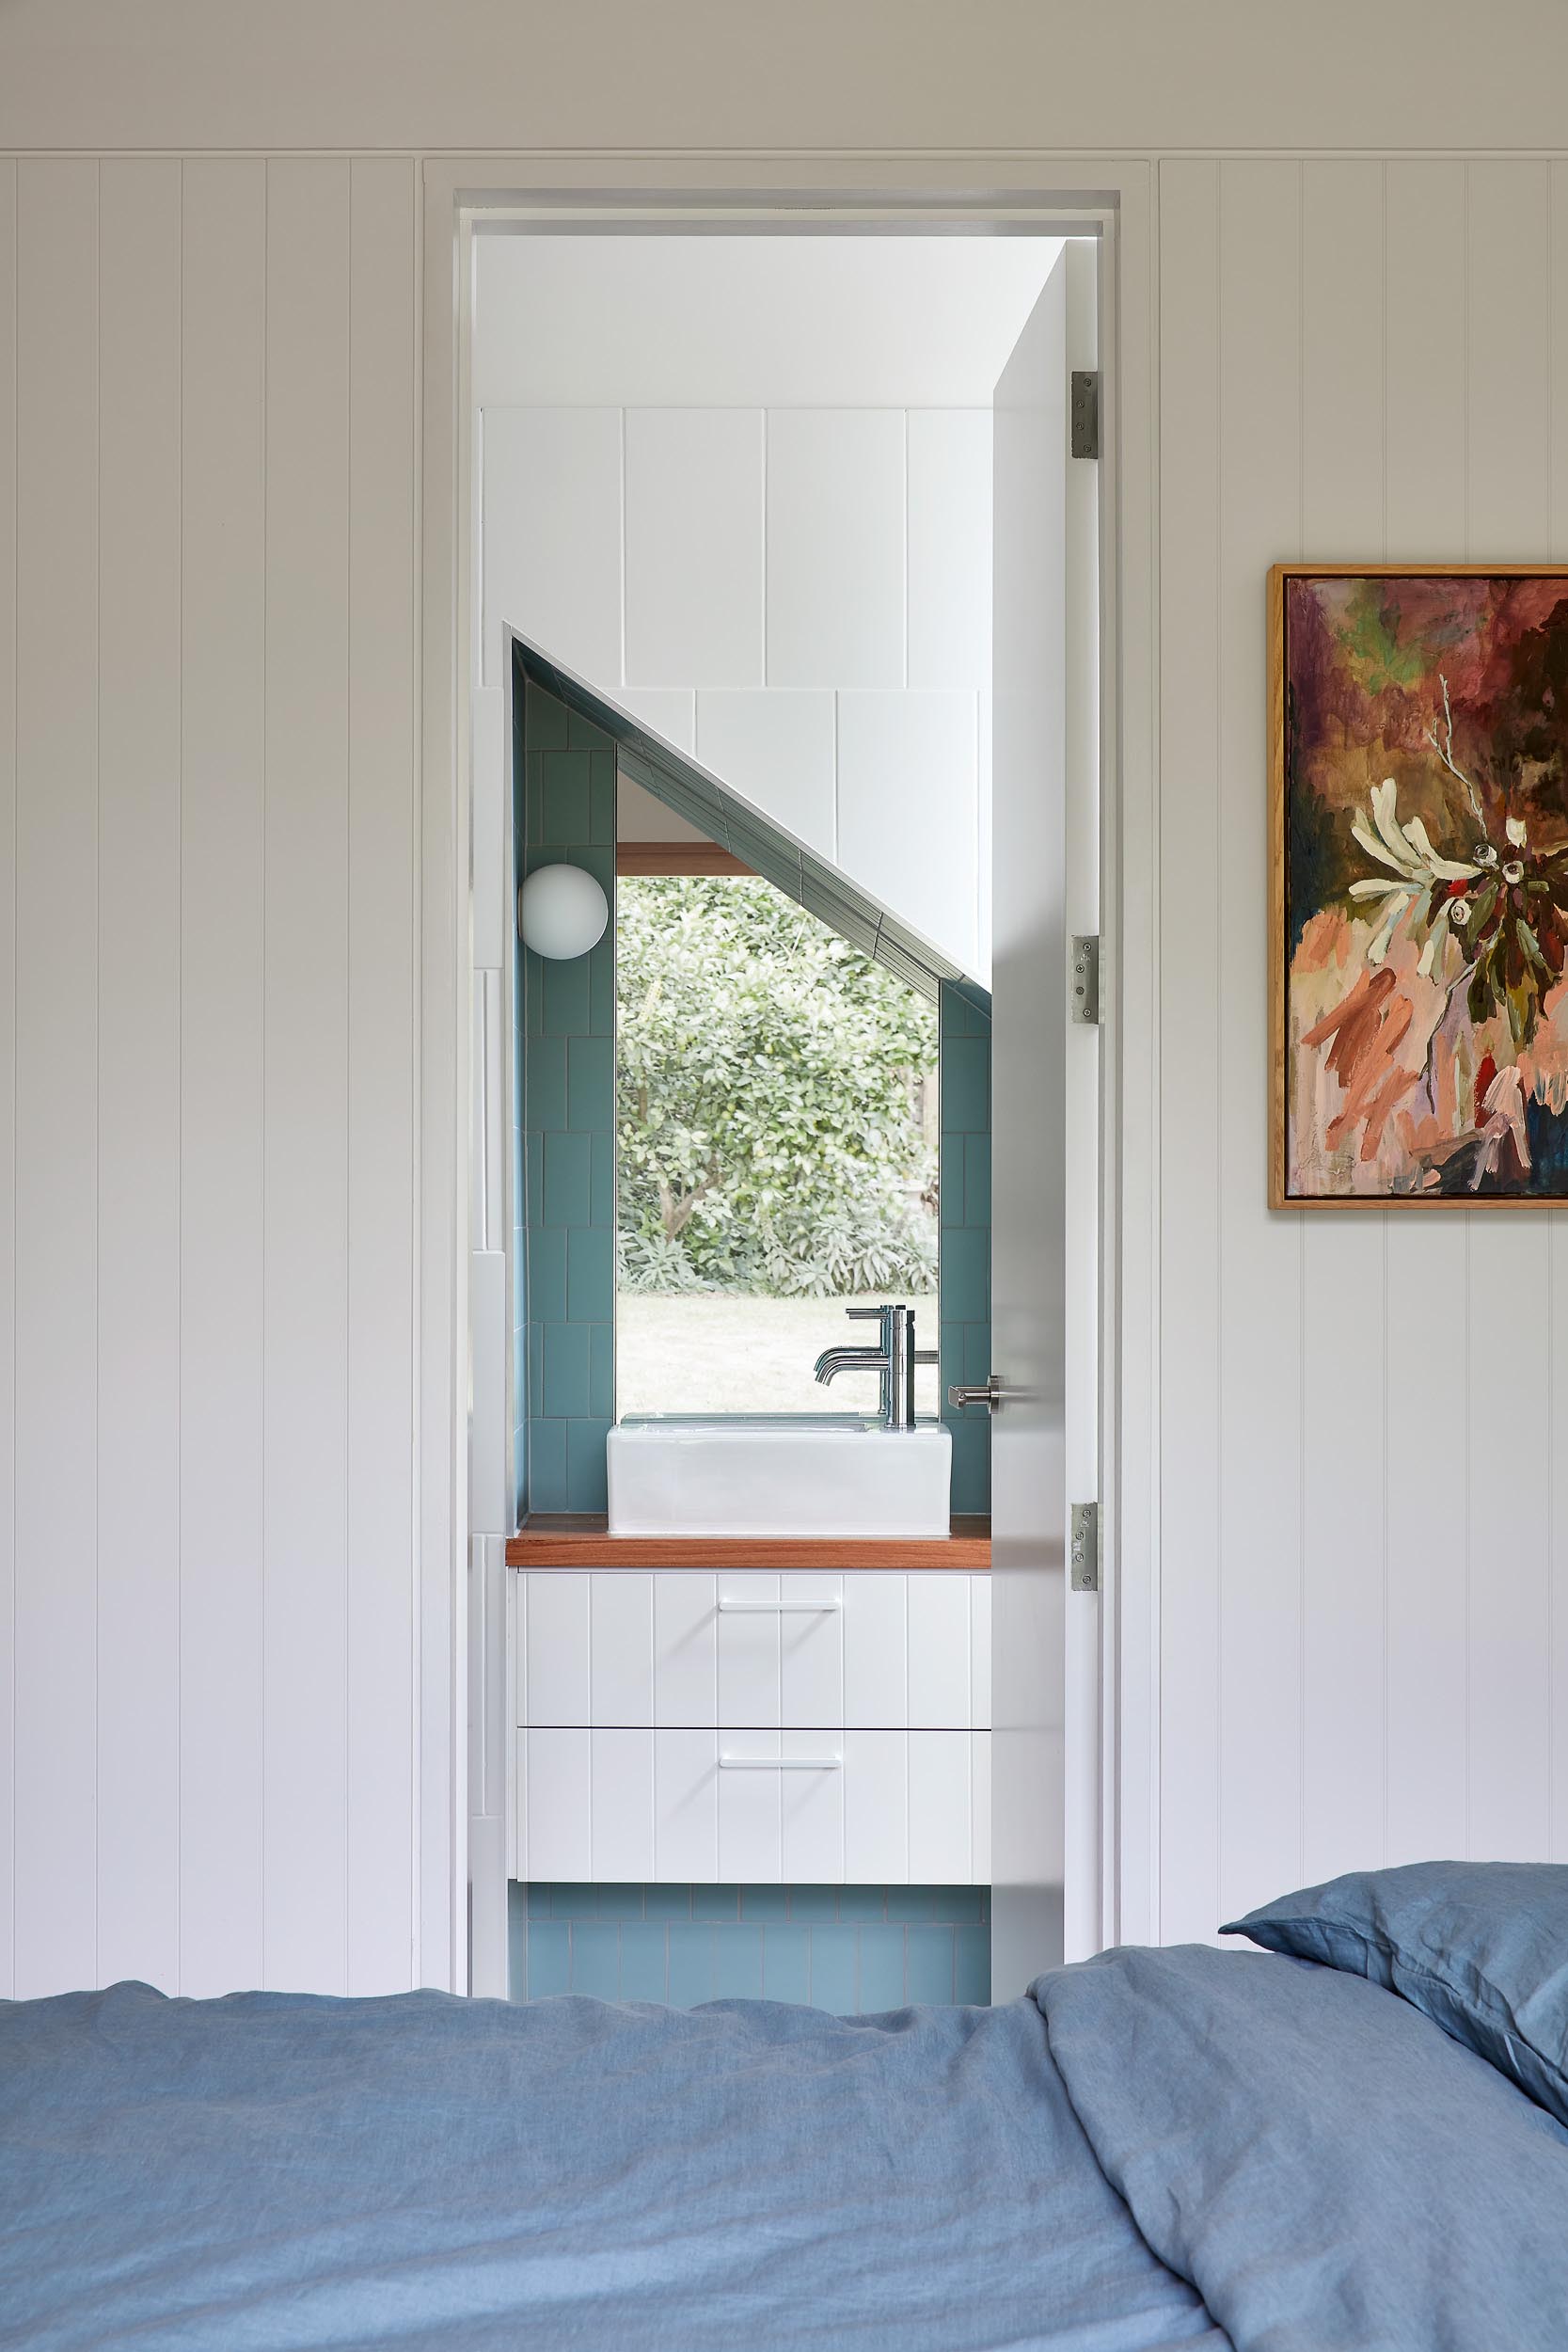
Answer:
(970, 1465)
(814, 1903)
(929, 1963)
(569, 1165)
(565, 1394)
(549, 1958)
(586, 1482)
(977, 1180)
(540, 1895)
(591, 1274)
(546, 1465)
(667, 1902)
(601, 796)
(532, 1202)
(950, 1185)
(691, 1964)
(547, 1274)
(535, 1358)
(517, 1942)
(546, 720)
(832, 1969)
(601, 1197)
(914, 1902)
(563, 808)
(738, 1964)
(583, 735)
(601, 1372)
(971, 1974)
(618, 1902)
(590, 1079)
(644, 1960)
(965, 1265)
(786, 1964)
(766, 1904)
(601, 986)
(545, 1084)
(715, 1902)
(966, 1084)
(863, 1902)
(596, 1959)
(880, 1983)
(963, 1903)
(564, 1004)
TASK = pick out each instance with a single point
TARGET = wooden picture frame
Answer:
(1417, 886)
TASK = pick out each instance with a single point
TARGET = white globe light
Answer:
(562, 912)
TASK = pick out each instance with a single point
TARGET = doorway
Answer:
(1066, 1645)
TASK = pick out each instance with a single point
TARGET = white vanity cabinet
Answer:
(739, 1728)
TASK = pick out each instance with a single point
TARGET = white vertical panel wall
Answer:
(207, 1072)
(1365, 1564)
(815, 584)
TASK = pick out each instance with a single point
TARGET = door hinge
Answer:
(1085, 979)
(1085, 1560)
(1086, 412)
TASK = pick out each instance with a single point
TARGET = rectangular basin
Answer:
(778, 1474)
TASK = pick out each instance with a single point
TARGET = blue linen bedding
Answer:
(1158, 2148)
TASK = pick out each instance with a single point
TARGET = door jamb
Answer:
(973, 195)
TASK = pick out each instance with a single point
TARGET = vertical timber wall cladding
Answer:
(207, 1179)
(207, 1072)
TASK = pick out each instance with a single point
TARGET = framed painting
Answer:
(1418, 901)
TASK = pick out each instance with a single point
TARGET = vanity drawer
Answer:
(870, 1649)
(753, 1807)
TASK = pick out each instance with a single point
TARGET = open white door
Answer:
(1044, 1121)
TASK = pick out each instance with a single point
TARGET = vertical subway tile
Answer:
(667, 1902)
(691, 1964)
(764, 1904)
(597, 1958)
(879, 1981)
(929, 1963)
(540, 1895)
(535, 1389)
(618, 1901)
(591, 1274)
(590, 1080)
(516, 1942)
(549, 1958)
(601, 1199)
(566, 1395)
(832, 1969)
(545, 1084)
(565, 1006)
(965, 1268)
(963, 1903)
(950, 1185)
(601, 981)
(546, 723)
(971, 1976)
(547, 1275)
(568, 1163)
(971, 1464)
(738, 1964)
(563, 808)
(533, 1179)
(977, 1179)
(715, 1902)
(863, 1902)
(601, 796)
(546, 1465)
(583, 735)
(914, 1902)
(587, 1485)
(965, 1084)
(812, 1904)
(601, 1372)
(786, 1964)
(644, 1960)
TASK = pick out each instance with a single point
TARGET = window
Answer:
(777, 1131)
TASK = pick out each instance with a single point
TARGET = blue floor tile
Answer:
(549, 1958)
(644, 1960)
(929, 1963)
(832, 1969)
(881, 1981)
(596, 1959)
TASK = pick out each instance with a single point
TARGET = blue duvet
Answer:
(1159, 2149)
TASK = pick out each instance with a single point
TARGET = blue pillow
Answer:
(1481, 1946)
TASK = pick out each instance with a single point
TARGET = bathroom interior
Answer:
(730, 1704)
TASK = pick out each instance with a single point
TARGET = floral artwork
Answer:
(1420, 885)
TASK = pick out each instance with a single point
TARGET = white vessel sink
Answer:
(778, 1474)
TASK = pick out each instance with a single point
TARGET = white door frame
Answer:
(1076, 196)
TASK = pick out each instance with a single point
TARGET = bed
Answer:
(1159, 2148)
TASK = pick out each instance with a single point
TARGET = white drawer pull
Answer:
(778, 1608)
(781, 1763)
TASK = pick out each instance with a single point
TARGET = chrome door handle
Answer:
(991, 1395)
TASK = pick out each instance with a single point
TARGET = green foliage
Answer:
(776, 1100)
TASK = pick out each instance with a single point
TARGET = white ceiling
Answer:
(750, 322)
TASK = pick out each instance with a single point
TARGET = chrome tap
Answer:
(894, 1360)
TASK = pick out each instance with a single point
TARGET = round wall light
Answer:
(562, 912)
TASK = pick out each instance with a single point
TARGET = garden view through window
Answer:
(777, 1132)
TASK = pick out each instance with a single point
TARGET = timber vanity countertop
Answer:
(558, 1540)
